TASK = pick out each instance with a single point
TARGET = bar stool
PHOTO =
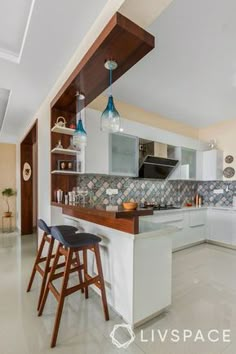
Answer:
(68, 246)
(49, 241)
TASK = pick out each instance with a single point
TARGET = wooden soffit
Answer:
(121, 40)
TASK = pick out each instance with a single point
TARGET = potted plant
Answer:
(7, 193)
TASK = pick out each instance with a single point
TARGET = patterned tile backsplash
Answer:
(176, 192)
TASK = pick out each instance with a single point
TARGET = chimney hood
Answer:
(157, 167)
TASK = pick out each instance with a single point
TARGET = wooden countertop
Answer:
(115, 217)
(116, 212)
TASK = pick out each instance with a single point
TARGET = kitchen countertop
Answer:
(204, 207)
(115, 217)
(116, 212)
(177, 210)
(120, 212)
(118, 218)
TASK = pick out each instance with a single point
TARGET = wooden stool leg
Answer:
(85, 271)
(79, 270)
(101, 279)
(46, 271)
(51, 274)
(62, 297)
(36, 261)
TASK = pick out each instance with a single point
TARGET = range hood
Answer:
(157, 167)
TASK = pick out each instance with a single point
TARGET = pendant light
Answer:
(80, 135)
(110, 118)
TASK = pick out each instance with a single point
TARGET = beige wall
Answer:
(225, 135)
(7, 174)
(139, 115)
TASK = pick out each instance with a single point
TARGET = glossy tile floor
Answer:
(204, 297)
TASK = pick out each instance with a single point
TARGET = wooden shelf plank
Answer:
(63, 130)
(65, 152)
(59, 172)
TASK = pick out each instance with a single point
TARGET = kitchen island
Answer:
(136, 265)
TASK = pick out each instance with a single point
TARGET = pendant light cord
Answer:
(110, 81)
(78, 109)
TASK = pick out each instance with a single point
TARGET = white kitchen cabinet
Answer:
(113, 154)
(234, 228)
(220, 226)
(212, 165)
(187, 167)
(123, 155)
(97, 149)
(190, 225)
(197, 222)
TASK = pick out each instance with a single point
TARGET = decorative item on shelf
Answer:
(66, 165)
(229, 172)
(59, 145)
(59, 195)
(110, 118)
(26, 172)
(8, 193)
(80, 135)
(229, 159)
(72, 124)
(72, 146)
(212, 144)
(60, 122)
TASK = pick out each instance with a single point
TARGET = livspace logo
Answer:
(170, 335)
(117, 342)
(185, 335)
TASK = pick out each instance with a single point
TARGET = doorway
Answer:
(29, 181)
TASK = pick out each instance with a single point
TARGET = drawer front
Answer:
(166, 218)
(197, 218)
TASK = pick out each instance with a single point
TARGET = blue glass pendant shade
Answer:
(110, 118)
(80, 135)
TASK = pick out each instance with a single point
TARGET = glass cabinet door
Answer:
(123, 155)
(188, 164)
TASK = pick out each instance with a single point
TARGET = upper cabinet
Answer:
(187, 167)
(212, 165)
(188, 164)
(113, 154)
(123, 155)
(97, 149)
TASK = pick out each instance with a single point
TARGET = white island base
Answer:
(137, 268)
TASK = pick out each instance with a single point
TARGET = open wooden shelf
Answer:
(64, 152)
(59, 172)
(62, 130)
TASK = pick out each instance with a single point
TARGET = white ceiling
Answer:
(4, 99)
(14, 21)
(191, 75)
(55, 30)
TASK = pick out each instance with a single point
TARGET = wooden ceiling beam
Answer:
(121, 40)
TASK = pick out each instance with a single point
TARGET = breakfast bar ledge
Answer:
(137, 266)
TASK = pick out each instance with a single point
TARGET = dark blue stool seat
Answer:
(72, 239)
(48, 240)
(71, 243)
